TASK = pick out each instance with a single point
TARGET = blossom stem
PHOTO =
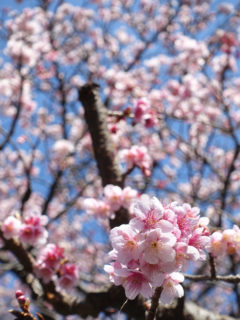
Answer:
(154, 303)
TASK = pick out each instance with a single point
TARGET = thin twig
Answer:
(154, 303)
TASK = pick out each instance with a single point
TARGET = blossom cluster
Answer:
(225, 242)
(137, 156)
(50, 260)
(30, 231)
(155, 247)
(144, 113)
(113, 199)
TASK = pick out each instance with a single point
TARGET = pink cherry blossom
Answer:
(113, 196)
(51, 255)
(172, 288)
(141, 107)
(187, 218)
(148, 214)
(49, 261)
(225, 242)
(113, 270)
(124, 240)
(96, 207)
(134, 283)
(150, 120)
(11, 227)
(155, 272)
(158, 246)
(184, 254)
(200, 241)
(137, 156)
(128, 196)
(43, 271)
(68, 275)
(33, 229)
(218, 247)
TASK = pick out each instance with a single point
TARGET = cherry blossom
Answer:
(125, 243)
(172, 288)
(11, 227)
(33, 230)
(113, 196)
(69, 276)
(147, 254)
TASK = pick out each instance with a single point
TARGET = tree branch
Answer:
(109, 169)
(96, 118)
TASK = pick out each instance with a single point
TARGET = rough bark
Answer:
(105, 155)
(96, 118)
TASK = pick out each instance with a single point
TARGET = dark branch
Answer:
(96, 118)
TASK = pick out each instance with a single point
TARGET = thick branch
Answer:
(96, 118)
(19, 252)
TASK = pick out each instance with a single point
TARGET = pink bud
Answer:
(19, 293)
(22, 300)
